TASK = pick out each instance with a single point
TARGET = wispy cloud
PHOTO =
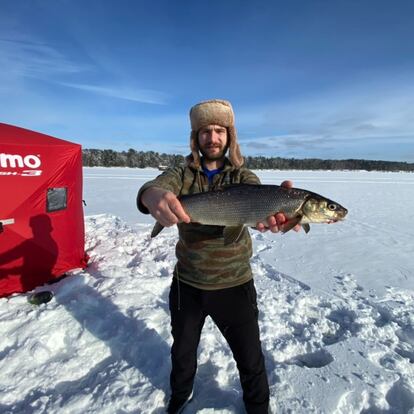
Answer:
(35, 59)
(316, 142)
(138, 95)
(284, 143)
(375, 113)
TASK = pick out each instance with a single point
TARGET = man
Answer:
(210, 279)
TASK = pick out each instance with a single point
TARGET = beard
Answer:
(210, 155)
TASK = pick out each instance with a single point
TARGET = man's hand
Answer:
(164, 206)
(276, 223)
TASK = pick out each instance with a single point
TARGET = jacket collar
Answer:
(228, 166)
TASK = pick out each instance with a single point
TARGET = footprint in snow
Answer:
(317, 359)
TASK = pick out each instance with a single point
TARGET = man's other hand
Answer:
(277, 222)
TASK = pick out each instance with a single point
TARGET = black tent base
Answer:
(57, 279)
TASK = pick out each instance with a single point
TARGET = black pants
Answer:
(234, 311)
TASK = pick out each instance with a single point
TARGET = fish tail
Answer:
(157, 229)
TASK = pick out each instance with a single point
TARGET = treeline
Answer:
(141, 159)
(263, 163)
(130, 158)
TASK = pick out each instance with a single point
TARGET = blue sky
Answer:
(325, 79)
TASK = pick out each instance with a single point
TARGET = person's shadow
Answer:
(38, 256)
(130, 341)
(128, 337)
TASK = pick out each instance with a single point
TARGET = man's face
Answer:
(212, 141)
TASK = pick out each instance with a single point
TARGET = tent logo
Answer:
(18, 161)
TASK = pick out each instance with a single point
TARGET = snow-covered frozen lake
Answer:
(336, 310)
(376, 239)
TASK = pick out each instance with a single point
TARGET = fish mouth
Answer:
(339, 217)
(335, 220)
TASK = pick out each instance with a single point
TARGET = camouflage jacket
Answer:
(203, 259)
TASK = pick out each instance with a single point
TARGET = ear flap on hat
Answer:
(193, 159)
(234, 148)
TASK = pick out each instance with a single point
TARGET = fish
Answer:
(238, 205)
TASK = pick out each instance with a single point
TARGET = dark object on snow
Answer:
(40, 297)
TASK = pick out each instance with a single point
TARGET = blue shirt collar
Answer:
(211, 173)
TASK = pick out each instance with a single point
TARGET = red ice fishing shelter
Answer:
(41, 212)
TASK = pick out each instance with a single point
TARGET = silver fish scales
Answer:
(240, 205)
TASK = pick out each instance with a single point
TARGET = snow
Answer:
(336, 310)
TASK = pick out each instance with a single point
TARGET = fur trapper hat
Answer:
(214, 112)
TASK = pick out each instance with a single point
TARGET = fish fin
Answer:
(232, 234)
(306, 227)
(157, 229)
(290, 224)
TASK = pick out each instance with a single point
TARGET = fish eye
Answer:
(332, 207)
